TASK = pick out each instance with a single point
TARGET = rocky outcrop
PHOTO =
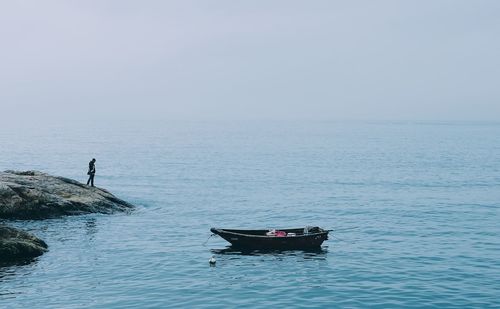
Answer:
(16, 245)
(36, 195)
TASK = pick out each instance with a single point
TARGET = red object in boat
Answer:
(280, 234)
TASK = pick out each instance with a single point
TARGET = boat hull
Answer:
(257, 239)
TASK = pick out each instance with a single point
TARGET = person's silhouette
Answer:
(91, 172)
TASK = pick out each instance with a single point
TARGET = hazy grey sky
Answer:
(422, 60)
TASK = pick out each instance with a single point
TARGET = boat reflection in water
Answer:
(306, 254)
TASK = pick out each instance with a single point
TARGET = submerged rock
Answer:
(36, 195)
(16, 245)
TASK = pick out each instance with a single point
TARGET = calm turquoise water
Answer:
(419, 204)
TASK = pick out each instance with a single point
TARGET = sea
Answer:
(414, 208)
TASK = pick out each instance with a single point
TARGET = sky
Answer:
(230, 59)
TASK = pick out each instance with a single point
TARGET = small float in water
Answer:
(283, 239)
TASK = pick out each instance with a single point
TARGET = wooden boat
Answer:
(299, 238)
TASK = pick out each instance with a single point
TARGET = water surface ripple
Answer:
(416, 206)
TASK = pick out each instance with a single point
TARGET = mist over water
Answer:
(417, 202)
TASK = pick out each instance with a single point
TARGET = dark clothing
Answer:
(91, 173)
(91, 168)
(91, 179)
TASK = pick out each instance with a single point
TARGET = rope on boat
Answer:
(337, 237)
(346, 229)
(204, 244)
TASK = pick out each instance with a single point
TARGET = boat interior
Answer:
(296, 231)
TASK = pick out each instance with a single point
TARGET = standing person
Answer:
(91, 172)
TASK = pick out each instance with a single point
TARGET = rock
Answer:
(36, 195)
(16, 245)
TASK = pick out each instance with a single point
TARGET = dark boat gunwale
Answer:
(239, 232)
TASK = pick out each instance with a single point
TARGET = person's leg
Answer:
(88, 181)
(92, 179)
